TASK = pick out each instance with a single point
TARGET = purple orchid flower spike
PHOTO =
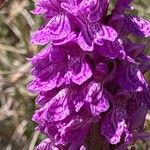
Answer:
(90, 76)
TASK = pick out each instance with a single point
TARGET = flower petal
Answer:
(100, 31)
(137, 106)
(99, 11)
(48, 79)
(81, 70)
(97, 98)
(57, 109)
(138, 26)
(112, 49)
(74, 132)
(71, 37)
(57, 28)
(129, 77)
(40, 37)
(87, 5)
(114, 125)
(85, 41)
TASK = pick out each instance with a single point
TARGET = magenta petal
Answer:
(138, 26)
(99, 11)
(40, 37)
(48, 79)
(58, 27)
(97, 98)
(69, 7)
(60, 106)
(137, 107)
(70, 37)
(100, 31)
(107, 33)
(114, 124)
(87, 5)
(99, 107)
(81, 71)
(130, 78)
(44, 145)
(112, 49)
(85, 41)
(56, 109)
(74, 131)
(80, 139)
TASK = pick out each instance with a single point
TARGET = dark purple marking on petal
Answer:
(112, 49)
(58, 27)
(85, 41)
(138, 26)
(130, 78)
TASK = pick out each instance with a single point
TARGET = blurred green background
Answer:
(16, 103)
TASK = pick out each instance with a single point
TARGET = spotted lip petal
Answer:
(46, 145)
(45, 97)
(81, 70)
(40, 61)
(69, 132)
(112, 49)
(114, 124)
(47, 71)
(137, 107)
(60, 106)
(57, 109)
(100, 31)
(40, 37)
(70, 37)
(57, 28)
(84, 6)
(99, 11)
(130, 78)
(134, 50)
(96, 98)
(95, 33)
(85, 41)
(87, 5)
(51, 78)
(138, 26)
(110, 131)
(101, 106)
(76, 70)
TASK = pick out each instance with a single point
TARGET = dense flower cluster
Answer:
(90, 72)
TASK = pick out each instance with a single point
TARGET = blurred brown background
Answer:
(16, 103)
